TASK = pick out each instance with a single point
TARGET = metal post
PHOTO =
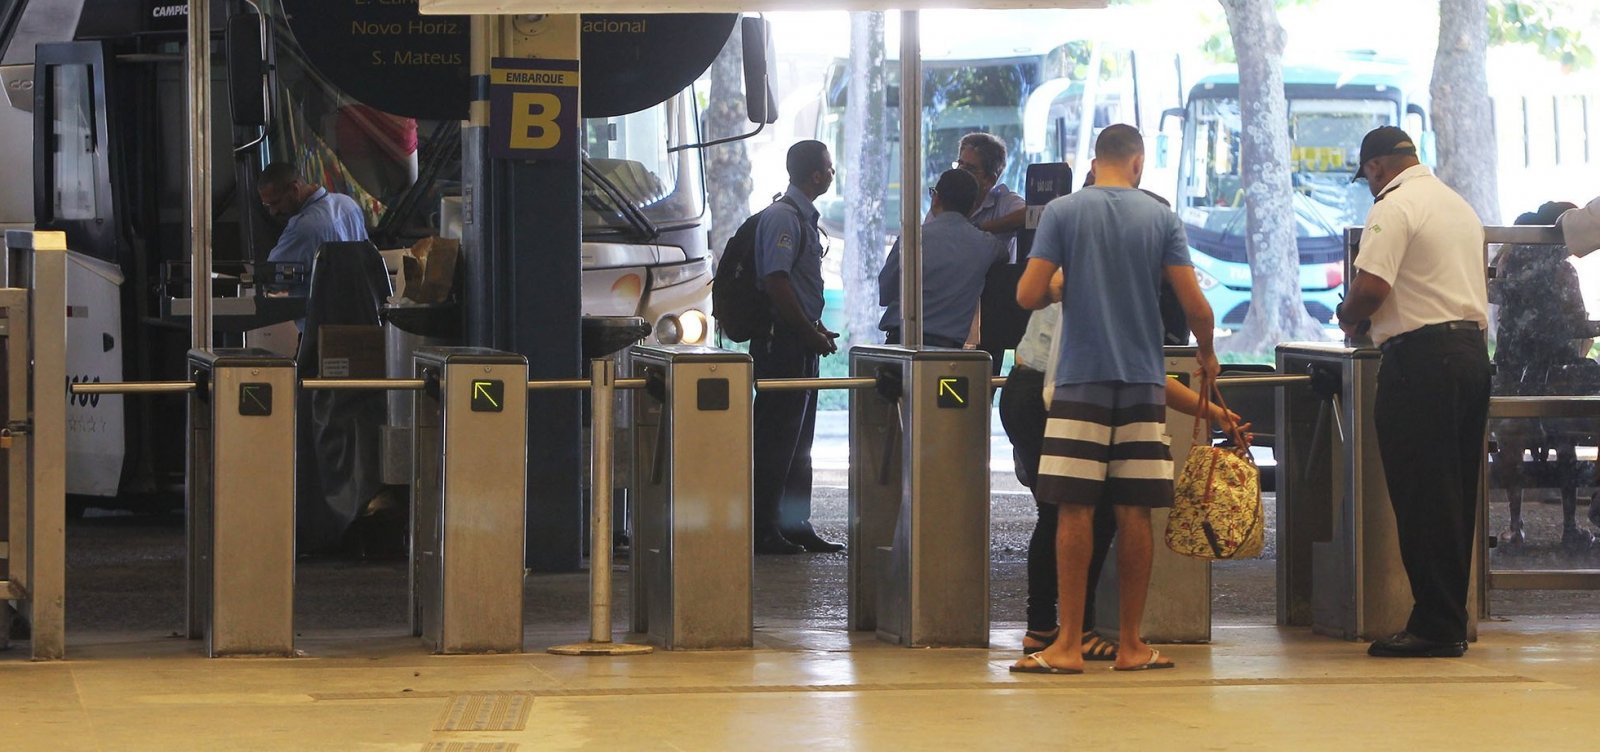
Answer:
(919, 526)
(691, 528)
(910, 179)
(48, 544)
(200, 173)
(469, 449)
(241, 502)
(602, 394)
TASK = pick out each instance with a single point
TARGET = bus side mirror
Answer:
(759, 101)
(247, 69)
(1172, 112)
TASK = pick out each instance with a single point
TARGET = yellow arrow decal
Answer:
(949, 385)
(481, 389)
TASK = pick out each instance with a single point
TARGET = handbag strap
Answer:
(1208, 391)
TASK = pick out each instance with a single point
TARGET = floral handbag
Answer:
(1216, 509)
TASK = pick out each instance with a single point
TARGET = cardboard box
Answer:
(346, 351)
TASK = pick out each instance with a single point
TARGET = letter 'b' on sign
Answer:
(533, 120)
(533, 109)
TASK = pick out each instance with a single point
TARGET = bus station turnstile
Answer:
(33, 344)
(469, 461)
(241, 520)
(1178, 606)
(691, 514)
(1339, 567)
(919, 496)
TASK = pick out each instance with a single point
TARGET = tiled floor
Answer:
(1529, 684)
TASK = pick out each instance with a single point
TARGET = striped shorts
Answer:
(1107, 441)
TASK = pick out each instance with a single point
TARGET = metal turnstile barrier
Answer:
(33, 561)
(1562, 408)
(691, 528)
(1339, 567)
(919, 496)
(469, 463)
(1178, 604)
(241, 502)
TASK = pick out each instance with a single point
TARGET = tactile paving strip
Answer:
(470, 747)
(486, 712)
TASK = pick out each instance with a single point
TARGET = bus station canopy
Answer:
(504, 7)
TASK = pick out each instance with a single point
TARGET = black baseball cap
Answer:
(1382, 142)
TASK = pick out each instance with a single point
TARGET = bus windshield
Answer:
(632, 153)
(1324, 133)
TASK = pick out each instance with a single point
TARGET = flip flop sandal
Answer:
(1045, 637)
(1034, 663)
(1097, 648)
(1150, 665)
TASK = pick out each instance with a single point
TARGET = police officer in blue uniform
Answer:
(789, 262)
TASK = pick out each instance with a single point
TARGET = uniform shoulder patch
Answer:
(786, 240)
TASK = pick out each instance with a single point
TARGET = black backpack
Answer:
(742, 308)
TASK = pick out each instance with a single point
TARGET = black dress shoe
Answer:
(773, 543)
(1407, 645)
(814, 543)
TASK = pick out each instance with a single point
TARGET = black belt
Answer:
(1448, 326)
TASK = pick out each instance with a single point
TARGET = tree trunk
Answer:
(866, 161)
(1467, 155)
(727, 165)
(1277, 311)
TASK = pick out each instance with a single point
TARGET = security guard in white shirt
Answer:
(1421, 286)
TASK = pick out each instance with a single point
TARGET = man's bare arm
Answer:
(1033, 290)
(1367, 293)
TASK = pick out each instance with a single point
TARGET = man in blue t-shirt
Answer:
(1106, 434)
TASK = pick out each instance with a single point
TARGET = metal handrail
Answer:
(801, 385)
(135, 387)
(398, 385)
(1544, 407)
(761, 385)
(1265, 379)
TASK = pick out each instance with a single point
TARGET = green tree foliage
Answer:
(1534, 23)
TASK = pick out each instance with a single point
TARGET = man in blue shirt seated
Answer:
(315, 216)
(955, 257)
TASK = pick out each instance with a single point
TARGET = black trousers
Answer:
(1023, 414)
(1431, 411)
(785, 424)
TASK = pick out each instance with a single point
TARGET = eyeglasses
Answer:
(965, 167)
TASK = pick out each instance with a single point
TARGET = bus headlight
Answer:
(668, 330)
(1207, 282)
(694, 326)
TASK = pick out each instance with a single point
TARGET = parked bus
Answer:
(1330, 110)
(109, 161)
(1025, 87)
